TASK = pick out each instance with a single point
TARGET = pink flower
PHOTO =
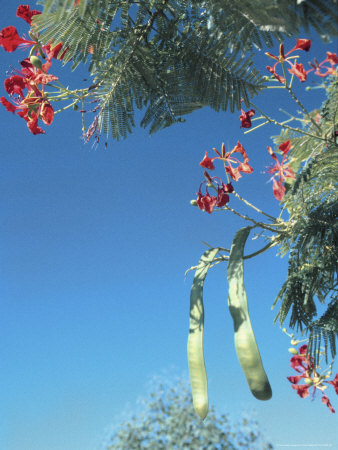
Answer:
(280, 171)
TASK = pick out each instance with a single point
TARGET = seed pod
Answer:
(245, 342)
(36, 62)
(198, 375)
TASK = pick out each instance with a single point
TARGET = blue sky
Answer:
(94, 246)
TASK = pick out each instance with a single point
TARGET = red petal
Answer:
(332, 58)
(207, 162)
(222, 198)
(47, 113)
(334, 383)
(275, 74)
(302, 390)
(326, 401)
(10, 39)
(8, 105)
(298, 70)
(33, 125)
(295, 379)
(303, 349)
(278, 189)
(15, 84)
(285, 147)
(303, 44)
(26, 13)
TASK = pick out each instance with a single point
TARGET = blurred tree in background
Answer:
(170, 422)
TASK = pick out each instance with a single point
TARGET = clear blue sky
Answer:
(94, 247)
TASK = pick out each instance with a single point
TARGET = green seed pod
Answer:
(245, 341)
(198, 375)
(75, 107)
(36, 62)
(193, 202)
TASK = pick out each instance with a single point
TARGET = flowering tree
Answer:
(171, 58)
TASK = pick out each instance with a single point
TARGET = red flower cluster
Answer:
(208, 202)
(305, 367)
(332, 59)
(33, 76)
(297, 69)
(280, 170)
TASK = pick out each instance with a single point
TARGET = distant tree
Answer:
(170, 422)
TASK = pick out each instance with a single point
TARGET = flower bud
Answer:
(293, 351)
(308, 381)
(193, 202)
(293, 342)
(36, 62)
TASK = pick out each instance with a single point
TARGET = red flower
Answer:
(228, 159)
(245, 118)
(10, 39)
(297, 69)
(25, 12)
(207, 162)
(280, 170)
(305, 366)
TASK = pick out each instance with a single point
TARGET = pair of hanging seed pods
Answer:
(245, 342)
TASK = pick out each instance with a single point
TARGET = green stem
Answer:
(299, 103)
(254, 207)
(259, 224)
(298, 130)
(66, 107)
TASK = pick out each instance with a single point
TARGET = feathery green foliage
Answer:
(312, 231)
(172, 57)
